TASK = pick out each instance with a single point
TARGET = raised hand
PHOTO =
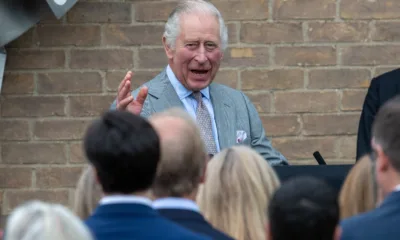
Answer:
(125, 100)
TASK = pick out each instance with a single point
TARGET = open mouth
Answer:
(199, 72)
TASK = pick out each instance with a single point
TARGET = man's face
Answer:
(197, 54)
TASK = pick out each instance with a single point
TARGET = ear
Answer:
(338, 233)
(168, 50)
(203, 176)
(382, 161)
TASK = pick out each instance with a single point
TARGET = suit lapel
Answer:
(164, 94)
(224, 115)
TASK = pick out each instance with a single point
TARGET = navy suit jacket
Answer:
(127, 221)
(381, 89)
(193, 221)
(380, 223)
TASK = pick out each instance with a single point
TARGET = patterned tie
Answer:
(204, 121)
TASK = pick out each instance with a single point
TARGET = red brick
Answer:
(386, 31)
(15, 198)
(17, 83)
(35, 59)
(309, 9)
(69, 82)
(114, 78)
(133, 35)
(88, 106)
(152, 58)
(271, 32)
(102, 59)
(371, 55)
(352, 100)
(14, 130)
(60, 129)
(242, 10)
(281, 125)
(76, 154)
(339, 78)
(32, 106)
(233, 32)
(295, 148)
(23, 41)
(68, 35)
(330, 124)
(287, 102)
(305, 56)
(33, 153)
(348, 147)
(261, 101)
(228, 78)
(382, 9)
(272, 79)
(153, 11)
(15, 177)
(96, 12)
(57, 177)
(246, 57)
(338, 32)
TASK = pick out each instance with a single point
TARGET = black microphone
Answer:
(319, 158)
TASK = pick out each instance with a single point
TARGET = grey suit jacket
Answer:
(233, 112)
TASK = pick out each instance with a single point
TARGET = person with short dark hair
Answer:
(124, 150)
(382, 222)
(304, 208)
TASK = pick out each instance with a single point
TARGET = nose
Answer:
(201, 57)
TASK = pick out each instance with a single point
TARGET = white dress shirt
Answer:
(190, 102)
(175, 203)
(118, 199)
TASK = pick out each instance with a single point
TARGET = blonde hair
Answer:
(359, 191)
(235, 196)
(183, 154)
(88, 193)
(36, 220)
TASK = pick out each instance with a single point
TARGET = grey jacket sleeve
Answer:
(259, 140)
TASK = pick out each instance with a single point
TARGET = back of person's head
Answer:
(183, 155)
(125, 150)
(386, 136)
(36, 220)
(359, 192)
(304, 208)
(87, 193)
(238, 187)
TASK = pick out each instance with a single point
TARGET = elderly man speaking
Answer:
(194, 40)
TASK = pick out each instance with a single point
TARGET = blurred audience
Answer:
(381, 223)
(238, 187)
(87, 194)
(35, 220)
(125, 151)
(304, 208)
(181, 170)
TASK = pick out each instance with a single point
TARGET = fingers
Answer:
(128, 76)
(125, 91)
(124, 103)
(141, 97)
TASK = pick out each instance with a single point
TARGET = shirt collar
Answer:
(175, 203)
(397, 188)
(181, 90)
(115, 199)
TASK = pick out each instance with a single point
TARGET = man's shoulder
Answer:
(386, 78)
(179, 231)
(360, 222)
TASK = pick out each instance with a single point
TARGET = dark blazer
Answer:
(194, 221)
(380, 223)
(381, 89)
(127, 221)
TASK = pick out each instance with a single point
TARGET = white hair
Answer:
(172, 25)
(36, 220)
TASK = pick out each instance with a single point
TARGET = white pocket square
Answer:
(240, 136)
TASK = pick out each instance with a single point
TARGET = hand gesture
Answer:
(125, 100)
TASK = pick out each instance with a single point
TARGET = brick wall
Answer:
(305, 64)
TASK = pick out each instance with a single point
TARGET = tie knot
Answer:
(197, 96)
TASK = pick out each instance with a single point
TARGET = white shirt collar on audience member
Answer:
(180, 89)
(175, 203)
(117, 199)
(397, 188)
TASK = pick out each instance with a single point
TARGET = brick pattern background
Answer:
(305, 65)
